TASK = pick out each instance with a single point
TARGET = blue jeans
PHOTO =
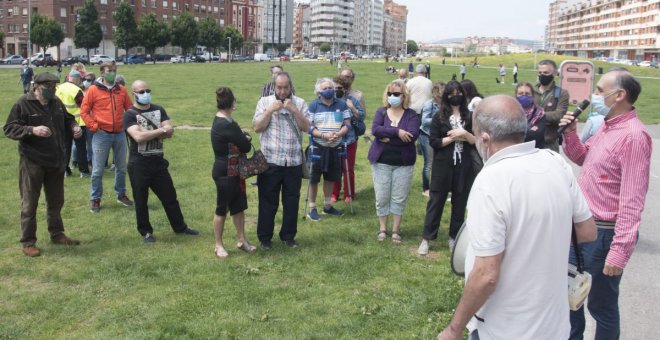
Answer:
(101, 143)
(427, 154)
(603, 302)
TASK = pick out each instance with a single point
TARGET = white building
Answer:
(277, 24)
(332, 22)
(368, 27)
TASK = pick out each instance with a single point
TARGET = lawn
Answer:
(340, 282)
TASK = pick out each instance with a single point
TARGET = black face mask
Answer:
(339, 93)
(545, 80)
(456, 100)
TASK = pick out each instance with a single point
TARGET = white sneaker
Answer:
(451, 243)
(423, 248)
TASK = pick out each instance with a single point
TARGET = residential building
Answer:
(621, 29)
(495, 45)
(395, 18)
(368, 27)
(277, 25)
(247, 17)
(301, 28)
(332, 23)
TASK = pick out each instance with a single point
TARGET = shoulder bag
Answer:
(252, 166)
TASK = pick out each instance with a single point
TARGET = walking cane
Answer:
(348, 179)
(312, 157)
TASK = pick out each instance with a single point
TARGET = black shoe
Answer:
(67, 172)
(149, 238)
(189, 231)
(266, 245)
(290, 243)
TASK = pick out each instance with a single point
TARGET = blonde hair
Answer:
(79, 67)
(405, 101)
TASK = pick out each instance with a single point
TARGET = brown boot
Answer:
(31, 251)
(64, 240)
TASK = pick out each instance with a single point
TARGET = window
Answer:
(104, 28)
(144, 3)
(25, 28)
(63, 27)
(165, 17)
(10, 13)
(24, 11)
(1, 13)
(63, 12)
(174, 4)
(153, 3)
(104, 2)
(164, 4)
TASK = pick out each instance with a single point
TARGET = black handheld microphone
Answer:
(576, 114)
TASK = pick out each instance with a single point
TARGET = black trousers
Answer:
(515, 78)
(81, 151)
(151, 173)
(287, 180)
(436, 205)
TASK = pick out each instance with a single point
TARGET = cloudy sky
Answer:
(430, 20)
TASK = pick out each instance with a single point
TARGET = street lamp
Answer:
(29, 30)
(229, 56)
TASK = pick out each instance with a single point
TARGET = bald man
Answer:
(403, 74)
(524, 294)
(147, 126)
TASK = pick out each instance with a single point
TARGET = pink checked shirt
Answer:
(615, 177)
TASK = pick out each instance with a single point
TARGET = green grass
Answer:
(339, 283)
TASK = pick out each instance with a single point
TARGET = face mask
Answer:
(328, 93)
(525, 101)
(394, 101)
(456, 100)
(110, 77)
(340, 93)
(87, 83)
(143, 99)
(47, 93)
(598, 104)
(545, 80)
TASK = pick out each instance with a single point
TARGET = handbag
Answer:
(579, 281)
(252, 166)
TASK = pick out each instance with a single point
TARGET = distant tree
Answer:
(325, 47)
(125, 36)
(152, 34)
(185, 32)
(236, 38)
(87, 34)
(412, 46)
(210, 35)
(45, 32)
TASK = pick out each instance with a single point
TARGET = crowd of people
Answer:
(493, 157)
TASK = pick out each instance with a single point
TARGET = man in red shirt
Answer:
(614, 179)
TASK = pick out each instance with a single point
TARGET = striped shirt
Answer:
(615, 177)
(329, 119)
(279, 142)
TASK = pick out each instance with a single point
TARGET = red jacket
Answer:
(103, 108)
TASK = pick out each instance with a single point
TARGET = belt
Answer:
(605, 224)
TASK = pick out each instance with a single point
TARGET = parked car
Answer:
(75, 59)
(197, 59)
(654, 64)
(100, 59)
(645, 63)
(237, 58)
(261, 57)
(285, 58)
(38, 56)
(134, 59)
(46, 61)
(249, 58)
(176, 59)
(12, 59)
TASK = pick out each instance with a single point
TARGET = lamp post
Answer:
(229, 55)
(29, 30)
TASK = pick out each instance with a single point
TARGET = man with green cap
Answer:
(40, 123)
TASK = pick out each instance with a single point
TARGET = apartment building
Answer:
(623, 29)
(14, 20)
(368, 26)
(395, 18)
(332, 22)
(247, 17)
(301, 28)
(277, 25)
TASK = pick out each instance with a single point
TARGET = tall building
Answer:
(277, 25)
(332, 23)
(301, 28)
(14, 20)
(368, 26)
(247, 17)
(395, 18)
(624, 29)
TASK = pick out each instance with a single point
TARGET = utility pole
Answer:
(29, 30)
(229, 54)
(272, 45)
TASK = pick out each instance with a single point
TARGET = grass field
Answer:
(340, 282)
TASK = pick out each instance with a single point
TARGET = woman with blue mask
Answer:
(534, 114)
(392, 156)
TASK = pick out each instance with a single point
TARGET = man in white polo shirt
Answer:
(420, 89)
(520, 232)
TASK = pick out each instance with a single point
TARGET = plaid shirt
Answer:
(279, 142)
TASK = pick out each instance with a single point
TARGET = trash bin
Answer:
(600, 70)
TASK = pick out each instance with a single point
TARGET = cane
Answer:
(348, 179)
(312, 157)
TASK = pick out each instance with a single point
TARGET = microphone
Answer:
(576, 114)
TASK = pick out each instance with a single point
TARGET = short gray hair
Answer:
(317, 87)
(500, 123)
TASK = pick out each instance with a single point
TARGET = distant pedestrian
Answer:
(502, 72)
(443, 61)
(411, 68)
(515, 74)
(428, 70)
(463, 70)
(26, 76)
(269, 88)
(403, 74)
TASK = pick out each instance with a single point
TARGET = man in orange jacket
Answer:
(102, 110)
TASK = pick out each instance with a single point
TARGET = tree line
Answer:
(149, 33)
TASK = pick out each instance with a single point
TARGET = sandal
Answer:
(221, 252)
(382, 235)
(396, 238)
(246, 247)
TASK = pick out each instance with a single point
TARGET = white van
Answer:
(261, 57)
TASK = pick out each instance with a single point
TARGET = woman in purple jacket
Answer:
(393, 155)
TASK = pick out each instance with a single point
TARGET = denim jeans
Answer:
(102, 142)
(87, 135)
(427, 154)
(391, 186)
(603, 301)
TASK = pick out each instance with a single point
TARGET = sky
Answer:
(430, 20)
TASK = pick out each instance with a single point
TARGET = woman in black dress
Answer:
(228, 141)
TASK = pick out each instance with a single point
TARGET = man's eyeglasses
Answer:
(143, 91)
(396, 94)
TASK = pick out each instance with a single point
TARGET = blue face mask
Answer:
(87, 83)
(394, 101)
(598, 103)
(328, 93)
(525, 101)
(143, 99)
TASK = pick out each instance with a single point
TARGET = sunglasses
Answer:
(143, 91)
(396, 94)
